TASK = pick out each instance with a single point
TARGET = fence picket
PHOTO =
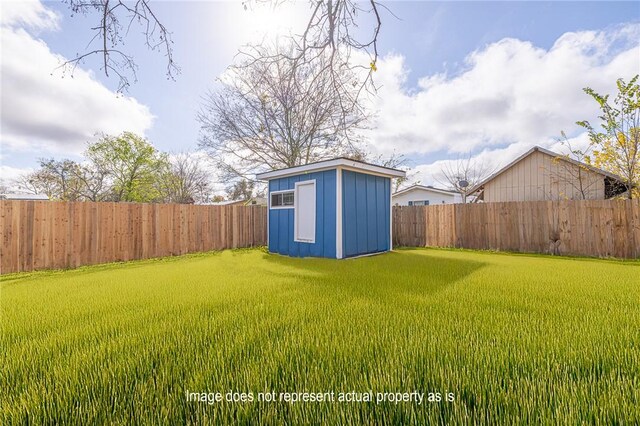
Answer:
(44, 235)
(50, 234)
(601, 228)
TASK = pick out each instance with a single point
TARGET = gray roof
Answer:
(26, 197)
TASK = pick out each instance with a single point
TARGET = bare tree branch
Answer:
(454, 175)
(330, 34)
(573, 181)
(109, 33)
(187, 180)
(279, 113)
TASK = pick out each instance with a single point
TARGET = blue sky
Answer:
(436, 36)
(427, 40)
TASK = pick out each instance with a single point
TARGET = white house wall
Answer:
(420, 194)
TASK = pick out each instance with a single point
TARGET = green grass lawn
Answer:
(515, 338)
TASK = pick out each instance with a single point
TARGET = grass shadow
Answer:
(399, 274)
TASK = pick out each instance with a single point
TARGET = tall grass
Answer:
(515, 338)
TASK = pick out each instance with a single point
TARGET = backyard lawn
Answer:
(508, 337)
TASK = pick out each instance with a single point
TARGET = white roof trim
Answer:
(332, 164)
(25, 197)
(426, 188)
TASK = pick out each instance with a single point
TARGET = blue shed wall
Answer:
(281, 220)
(366, 215)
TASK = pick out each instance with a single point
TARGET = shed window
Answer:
(419, 203)
(282, 199)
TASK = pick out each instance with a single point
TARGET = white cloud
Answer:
(28, 13)
(42, 112)
(8, 174)
(510, 96)
(509, 92)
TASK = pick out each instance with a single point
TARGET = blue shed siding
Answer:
(281, 220)
(366, 213)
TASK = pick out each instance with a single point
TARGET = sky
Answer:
(487, 80)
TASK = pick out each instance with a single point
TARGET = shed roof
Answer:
(342, 162)
(548, 152)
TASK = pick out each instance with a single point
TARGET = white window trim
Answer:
(282, 192)
(296, 210)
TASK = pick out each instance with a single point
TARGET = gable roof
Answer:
(551, 153)
(343, 162)
(425, 188)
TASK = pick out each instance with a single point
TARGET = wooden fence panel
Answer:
(51, 235)
(600, 228)
(44, 235)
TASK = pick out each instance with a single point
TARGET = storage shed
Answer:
(335, 208)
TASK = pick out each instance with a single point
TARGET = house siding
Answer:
(420, 194)
(281, 221)
(539, 177)
(366, 215)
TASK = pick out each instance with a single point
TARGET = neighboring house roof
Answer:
(343, 162)
(425, 188)
(255, 201)
(27, 197)
(227, 203)
(551, 153)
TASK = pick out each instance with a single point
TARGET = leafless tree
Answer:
(96, 184)
(241, 190)
(394, 161)
(454, 174)
(26, 184)
(280, 113)
(570, 172)
(114, 20)
(334, 31)
(56, 179)
(4, 187)
(187, 180)
(66, 180)
(330, 31)
(398, 161)
(93, 182)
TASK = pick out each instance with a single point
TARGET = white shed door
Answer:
(305, 212)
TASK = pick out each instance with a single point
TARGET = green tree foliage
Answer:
(616, 145)
(133, 164)
(122, 168)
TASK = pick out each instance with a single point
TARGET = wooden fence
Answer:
(49, 235)
(45, 235)
(608, 228)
